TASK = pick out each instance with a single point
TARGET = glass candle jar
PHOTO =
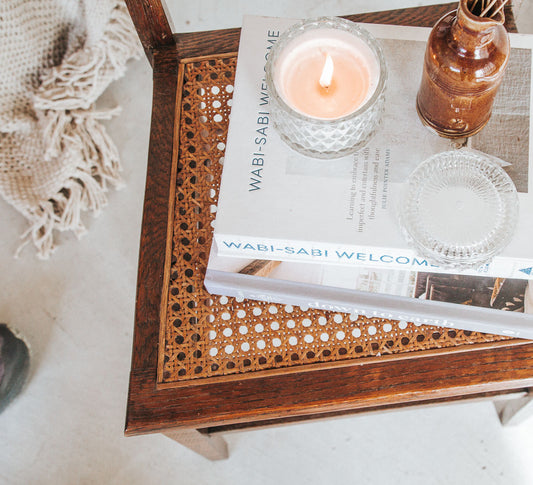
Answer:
(326, 79)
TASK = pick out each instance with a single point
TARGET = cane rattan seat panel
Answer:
(205, 337)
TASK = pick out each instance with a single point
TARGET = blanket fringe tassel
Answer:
(71, 128)
(81, 137)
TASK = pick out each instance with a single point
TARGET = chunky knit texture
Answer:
(56, 159)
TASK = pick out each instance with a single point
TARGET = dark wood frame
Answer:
(189, 414)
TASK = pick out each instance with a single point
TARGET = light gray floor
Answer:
(76, 311)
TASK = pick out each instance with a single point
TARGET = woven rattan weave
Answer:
(205, 337)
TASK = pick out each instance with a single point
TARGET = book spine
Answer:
(279, 250)
(371, 305)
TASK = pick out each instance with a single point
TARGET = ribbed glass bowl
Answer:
(459, 209)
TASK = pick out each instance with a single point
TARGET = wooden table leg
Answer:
(515, 411)
(210, 447)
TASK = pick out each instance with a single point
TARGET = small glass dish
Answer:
(459, 210)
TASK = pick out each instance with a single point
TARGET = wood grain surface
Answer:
(152, 25)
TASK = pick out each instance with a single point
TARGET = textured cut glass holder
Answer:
(459, 209)
(324, 138)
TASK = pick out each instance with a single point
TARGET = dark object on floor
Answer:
(14, 365)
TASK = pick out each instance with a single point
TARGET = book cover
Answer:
(502, 306)
(276, 204)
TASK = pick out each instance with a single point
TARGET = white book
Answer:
(486, 304)
(276, 204)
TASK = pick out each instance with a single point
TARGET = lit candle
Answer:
(326, 79)
(327, 74)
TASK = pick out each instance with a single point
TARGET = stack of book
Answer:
(325, 234)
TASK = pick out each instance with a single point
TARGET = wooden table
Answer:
(194, 374)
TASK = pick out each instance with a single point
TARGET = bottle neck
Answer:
(472, 31)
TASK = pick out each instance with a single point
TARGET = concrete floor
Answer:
(76, 311)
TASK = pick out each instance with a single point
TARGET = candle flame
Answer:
(327, 73)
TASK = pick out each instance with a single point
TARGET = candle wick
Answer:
(327, 73)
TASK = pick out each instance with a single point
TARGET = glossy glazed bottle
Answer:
(466, 56)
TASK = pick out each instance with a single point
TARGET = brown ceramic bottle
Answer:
(465, 60)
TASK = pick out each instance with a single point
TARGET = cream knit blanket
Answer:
(56, 159)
